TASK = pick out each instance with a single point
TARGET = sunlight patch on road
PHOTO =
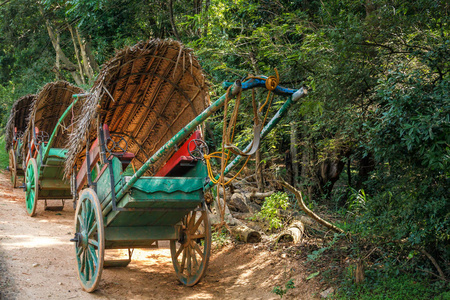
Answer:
(28, 241)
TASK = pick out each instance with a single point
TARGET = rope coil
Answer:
(271, 84)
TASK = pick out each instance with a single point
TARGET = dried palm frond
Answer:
(18, 118)
(145, 94)
(49, 105)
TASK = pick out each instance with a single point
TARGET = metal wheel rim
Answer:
(31, 185)
(90, 248)
(189, 264)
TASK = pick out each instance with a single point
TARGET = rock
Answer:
(327, 292)
(36, 265)
(254, 208)
(238, 203)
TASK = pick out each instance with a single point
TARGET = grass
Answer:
(4, 158)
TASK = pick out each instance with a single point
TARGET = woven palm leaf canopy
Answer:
(49, 105)
(145, 94)
(18, 118)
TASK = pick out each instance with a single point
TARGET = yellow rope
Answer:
(229, 131)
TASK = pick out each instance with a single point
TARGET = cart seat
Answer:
(180, 162)
(57, 153)
(124, 157)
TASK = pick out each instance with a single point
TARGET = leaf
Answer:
(312, 275)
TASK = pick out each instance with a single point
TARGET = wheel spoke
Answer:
(93, 228)
(194, 259)
(197, 224)
(93, 255)
(91, 215)
(188, 267)
(79, 250)
(88, 266)
(93, 242)
(179, 251)
(199, 251)
(183, 260)
(80, 222)
(191, 220)
(83, 213)
(197, 236)
(83, 261)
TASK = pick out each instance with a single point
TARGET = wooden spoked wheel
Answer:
(90, 240)
(190, 254)
(13, 167)
(32, 187)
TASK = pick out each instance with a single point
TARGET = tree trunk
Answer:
(88, 70)
(294, 155)
(57, 64)
(172, 21)
(92, 61)
(76, 53)
(259, 171)
(67, 64)
(207, 4)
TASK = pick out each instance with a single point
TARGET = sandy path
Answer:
(37, 261)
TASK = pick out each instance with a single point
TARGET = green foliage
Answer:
(220, 238)
(4, 157)
(280, 291)
(382, 285)
(269, 210)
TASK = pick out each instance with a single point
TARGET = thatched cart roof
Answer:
(49, 105)
(18, 118)
(146, 94)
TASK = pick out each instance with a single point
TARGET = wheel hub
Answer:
(84, 239)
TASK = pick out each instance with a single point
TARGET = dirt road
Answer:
(37, 261)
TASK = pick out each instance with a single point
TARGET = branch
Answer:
(309, 212)
(4, 2)
(435, 264)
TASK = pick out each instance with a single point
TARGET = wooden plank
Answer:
(144, 234)
(94, 156)
(54, 184)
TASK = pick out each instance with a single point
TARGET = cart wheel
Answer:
(13, 167)
(190, 255)
(32, 187)
(90, 240)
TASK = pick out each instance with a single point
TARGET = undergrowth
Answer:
(4, 158)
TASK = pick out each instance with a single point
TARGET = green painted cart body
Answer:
(43, 154)
(117, 211)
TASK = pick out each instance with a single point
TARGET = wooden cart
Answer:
(123, 201)
(15, 128)
(44, 153)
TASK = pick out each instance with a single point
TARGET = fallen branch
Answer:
(246, 234)
(434, 262)
(294, 233)
(237, 227)
(309, 212)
